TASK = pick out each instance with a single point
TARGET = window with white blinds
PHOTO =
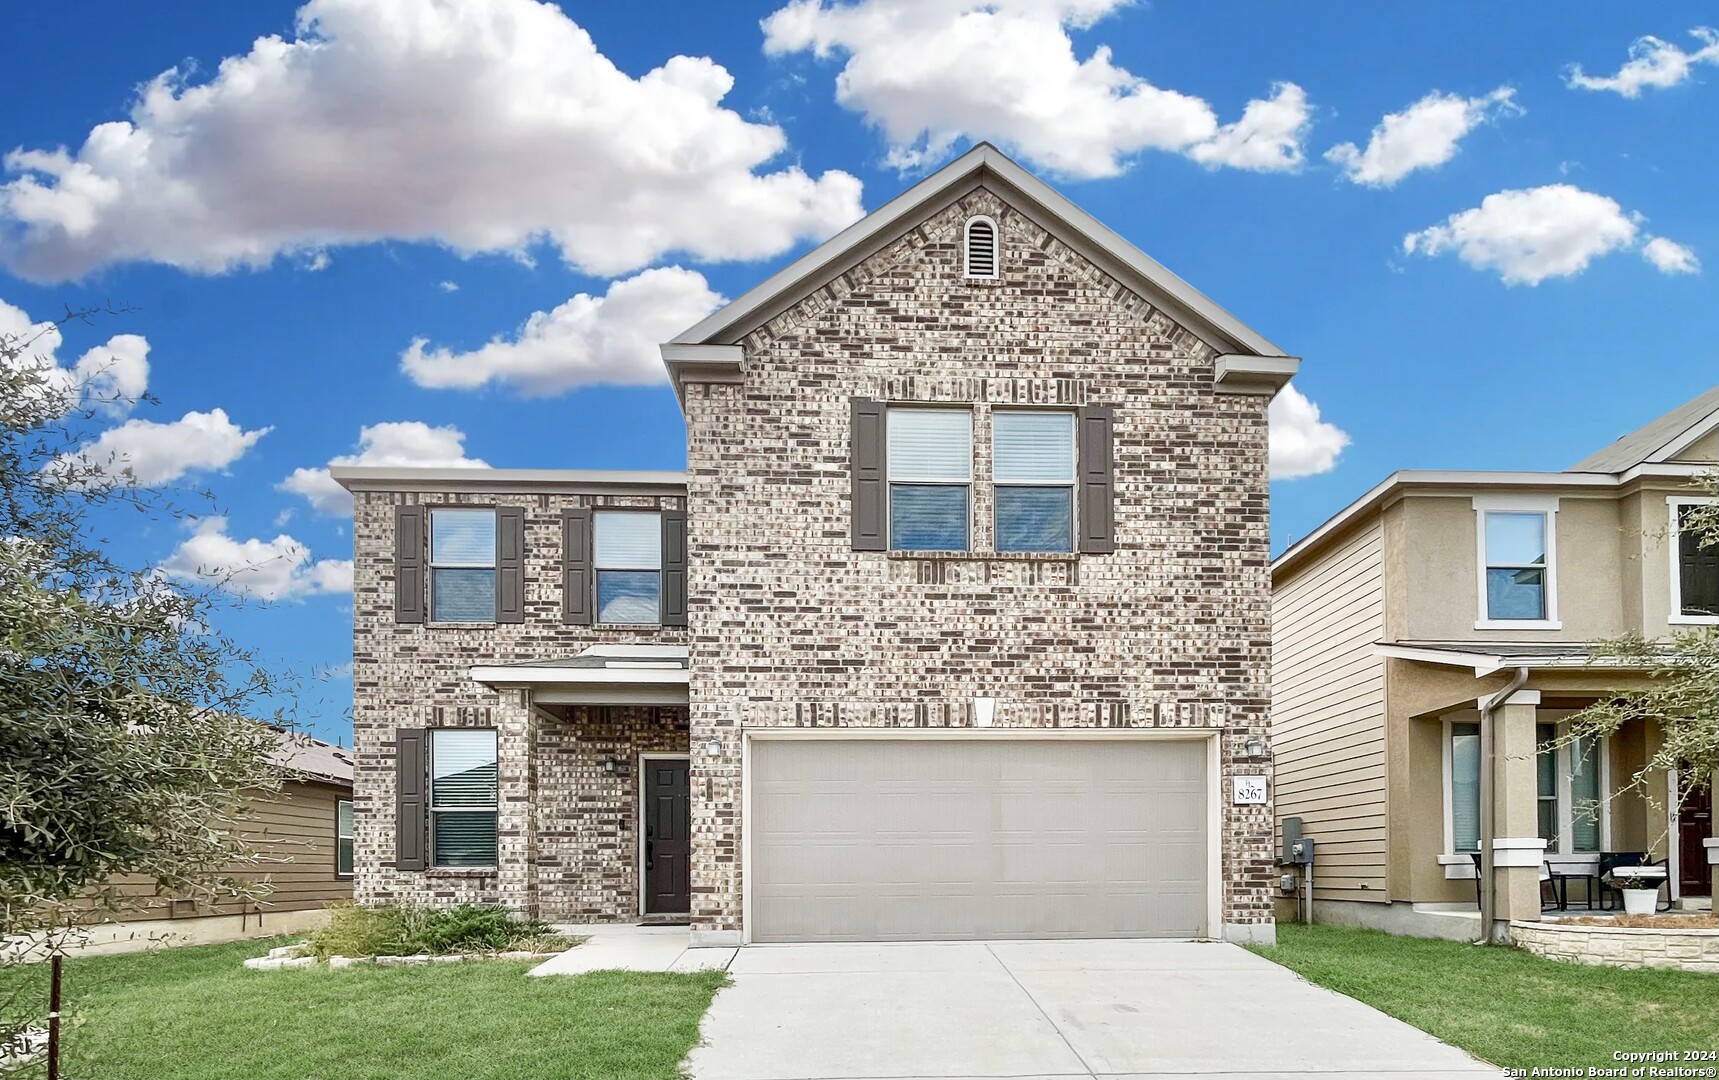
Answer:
(1032, 464)
(930, 472)
(627, 556)
(463, 796)
(462, 566)
(1463, 798)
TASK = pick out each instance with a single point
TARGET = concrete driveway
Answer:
(1041, 1010)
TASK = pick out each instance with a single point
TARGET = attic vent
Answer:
(981, 248)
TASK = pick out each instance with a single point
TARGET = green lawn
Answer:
(1506, 1006)
(194, 1014)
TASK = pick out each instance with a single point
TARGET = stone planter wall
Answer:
(1690, 950)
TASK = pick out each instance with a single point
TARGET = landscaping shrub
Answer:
(393, 930)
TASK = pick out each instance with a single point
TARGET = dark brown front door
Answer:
(1694, 824)
(668, 837)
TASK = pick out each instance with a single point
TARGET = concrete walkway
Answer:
(632, 948)
(1128, 1010)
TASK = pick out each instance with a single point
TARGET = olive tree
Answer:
(1681, 692)
(125, 747)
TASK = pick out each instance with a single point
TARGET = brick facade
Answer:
(792, 627)
(565, 826)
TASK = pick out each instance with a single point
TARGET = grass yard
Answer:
(194, 1014)
(1506, 1006)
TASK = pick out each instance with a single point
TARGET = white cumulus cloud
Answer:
(147, 453)
(1423, 136)
(484, 125)
(401, 443)
(1653, 64)
(609, 339)
(278, 569)
(1544, 232)
(1670, 257)
(1302, 443)
(927, 73)
(109, 378)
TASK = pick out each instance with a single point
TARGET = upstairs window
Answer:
(463, 796)
(343, 835)
(628, 559)
(1694, 570)
(1033, 470)
(462, 566)
(981, 248)
(1518, 564)
(930, 474)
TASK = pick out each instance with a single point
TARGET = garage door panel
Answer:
(855, 839)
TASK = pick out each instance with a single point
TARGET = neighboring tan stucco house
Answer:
(956, 626)
(1399, 617)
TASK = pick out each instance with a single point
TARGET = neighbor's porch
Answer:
(1565, 810)
(610, 821)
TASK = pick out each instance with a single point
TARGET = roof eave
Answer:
(409, 478)
(1244, 373)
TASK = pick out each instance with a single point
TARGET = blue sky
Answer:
(416, 171)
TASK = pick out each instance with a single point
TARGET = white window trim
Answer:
(1072, 484)
(492, 808)
(890, 479)
(1517, 504)
(597, 567)
(430, 561)
(339, 836)
(996, 249)
(1460, 864)
(1674, 508)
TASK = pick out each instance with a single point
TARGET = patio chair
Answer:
(1475, 855)
(1555, 882)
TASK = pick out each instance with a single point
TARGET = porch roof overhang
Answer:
(599, 675)
(1488, 657)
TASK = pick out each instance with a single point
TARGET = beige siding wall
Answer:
(1704, 450)
(1328, 707)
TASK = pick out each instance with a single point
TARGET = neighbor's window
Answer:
(462, 796)
(930, 478)
(1695, 589)
(628, 559)
(1033, 468)
(462, 566)
(343, 838)
(1465, 787)
(1517, 565)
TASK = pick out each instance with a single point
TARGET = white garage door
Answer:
(942, 839)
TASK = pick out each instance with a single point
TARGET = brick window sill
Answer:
(460, 872)
(987, 556)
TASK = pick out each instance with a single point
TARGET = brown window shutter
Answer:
(674, 568)
(510, 564)
(410, 550)
(868, 499)
(411, 803)
(577, 586)
(1097, 481)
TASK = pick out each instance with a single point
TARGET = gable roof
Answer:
(307, 757)
(1660, 440)
(988, 166)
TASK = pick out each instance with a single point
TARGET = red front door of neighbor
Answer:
(1695, 824)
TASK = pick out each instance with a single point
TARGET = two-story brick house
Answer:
(957, 625)
(1431, 642)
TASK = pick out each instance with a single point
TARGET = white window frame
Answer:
(493, 808)
(967, 249)
(1459, 864)
(1073, 484)
(493, 566)
(339, 836)
(597, 567)
(1675, 505)
(890, 479)
(1547, 507)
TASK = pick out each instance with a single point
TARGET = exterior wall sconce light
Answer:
(614, 766)
(1255, 748)
(713, 748)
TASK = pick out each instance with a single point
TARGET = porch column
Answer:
(1517, 849)
(1712, 842)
